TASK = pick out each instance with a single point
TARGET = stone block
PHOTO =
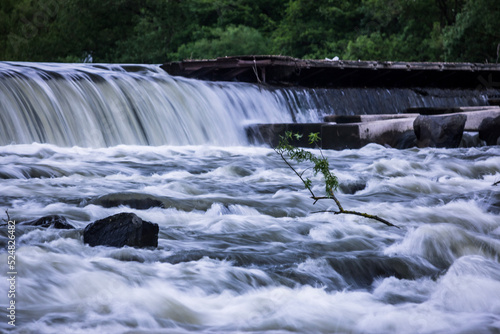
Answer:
(475, 117)
(52, 221)
(390, 132)
(122, 229)
(439, 131)
(341, 119)
(489, 130)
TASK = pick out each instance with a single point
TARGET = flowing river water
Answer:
(242, 248)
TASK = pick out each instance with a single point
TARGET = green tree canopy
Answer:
(475, 36)
(156, 31)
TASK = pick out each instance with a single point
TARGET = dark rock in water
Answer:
(406, 140)
(471, 139)
(439, 131)
(122, 229)
(352, 187)
(132, 200)
(489, 130)
(52, 221)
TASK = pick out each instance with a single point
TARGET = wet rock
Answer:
(489, 130)
(132, 200)
(352, 187)
(471, 139)
(439, 131)
(122, 229)
(388, 132)
(52, 221)
(406, 140)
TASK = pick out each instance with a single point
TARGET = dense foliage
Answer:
(155, 31)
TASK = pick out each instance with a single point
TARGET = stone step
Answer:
(446, 110)
(396, 133)
(365, 118)
(475, 115)
(352, 132)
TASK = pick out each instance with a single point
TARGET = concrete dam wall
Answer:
(397, 92)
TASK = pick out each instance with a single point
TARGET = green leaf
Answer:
(314, 137)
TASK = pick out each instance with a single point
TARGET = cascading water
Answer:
(106, 105)
(242, 248)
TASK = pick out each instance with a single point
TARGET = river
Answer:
(242, 248)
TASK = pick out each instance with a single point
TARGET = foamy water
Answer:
(243, 249)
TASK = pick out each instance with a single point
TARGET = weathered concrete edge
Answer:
(288, 71)
(389, 130)
(475, 116)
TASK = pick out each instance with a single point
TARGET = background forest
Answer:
(156, 31)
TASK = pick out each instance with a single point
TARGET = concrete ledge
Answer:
(288, 71)
(474, 118)
(475, 115)
(356, 131)
(446, 110)
(390, 132)
(270, 133)
(365, 118)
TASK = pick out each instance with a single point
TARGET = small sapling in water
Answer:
(289, 152)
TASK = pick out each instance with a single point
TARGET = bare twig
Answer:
(8, 218)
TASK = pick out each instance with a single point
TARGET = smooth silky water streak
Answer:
(102, 105)
(239, 247)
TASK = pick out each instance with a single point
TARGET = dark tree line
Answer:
(155, 31)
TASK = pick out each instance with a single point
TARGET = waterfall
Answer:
(101, 105)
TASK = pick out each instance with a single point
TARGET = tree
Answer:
(320, 165)
(155, 31)
(316, 29)
(160, 27)
(475, 36)
(232, 41)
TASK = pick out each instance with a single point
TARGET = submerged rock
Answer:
(52, 221)
(439, 131)
(489, 130)
(122, 229)
(132, 200)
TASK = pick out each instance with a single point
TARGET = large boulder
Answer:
(122, 229)
(52, 221)
(439, 131)
(489, 130)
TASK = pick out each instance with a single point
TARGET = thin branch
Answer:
(296, 173)
(8, 218)
(496, 183)
(305, 170)
(299, 155)
(332, 195)
(366, 215)
(356, 213)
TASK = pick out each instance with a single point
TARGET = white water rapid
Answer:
(242, 248)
